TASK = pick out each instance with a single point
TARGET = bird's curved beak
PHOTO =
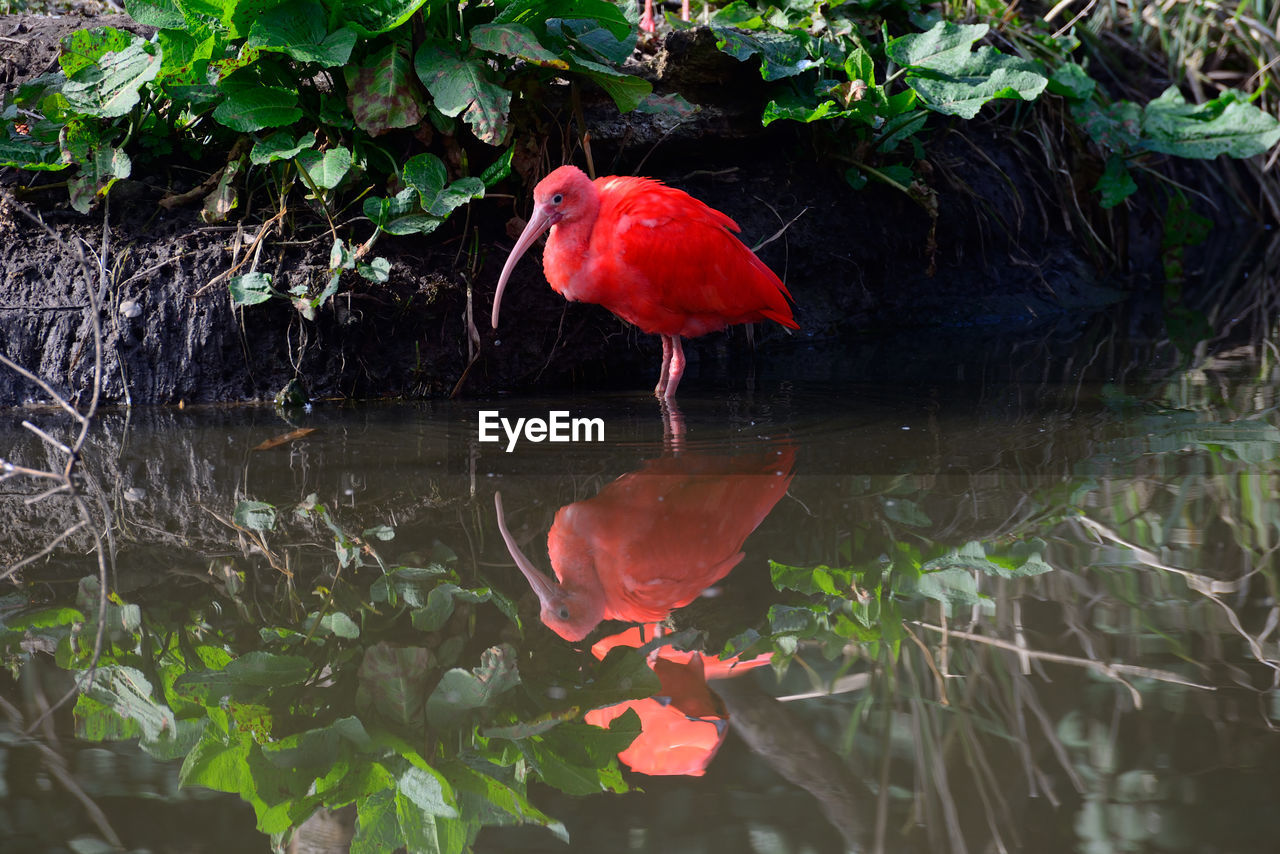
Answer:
(544, 216)
(543, 587)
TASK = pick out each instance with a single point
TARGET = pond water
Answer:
(981, 595)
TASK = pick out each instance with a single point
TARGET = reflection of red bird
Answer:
(652, 540)
(653, 255)
(682, 728)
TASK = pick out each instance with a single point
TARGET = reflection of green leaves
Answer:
(461, 692)
(393, 684)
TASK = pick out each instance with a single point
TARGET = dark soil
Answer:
(1009, 245)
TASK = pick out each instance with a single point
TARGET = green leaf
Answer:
(961, 85)
(499, 169)
(281, 145)
(250, 675)
(392, 684)
(516, 41)
(782, 54)
(626, 90)
(164, 14)
(1070, 80)
(1226, 125)
(299, 28)
(427, 789)
(942, 47)
(251, 289)
(1116, 184)
(46, 618)
(24, 152)
(377, 828)
(381, 92)
(328, 169)
(377, 271)
(127, 693)
(253, 108)
(84, 48)
(370, 17)
(112, 86)
(953, 586)
(464, 86)
(97, 175)
(253, 515)
(426, 174)
(461, 691)
(337, 624)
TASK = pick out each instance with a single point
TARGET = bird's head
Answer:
(563, 196)
(570, 613)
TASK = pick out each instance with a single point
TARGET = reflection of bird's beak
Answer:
(543, 218)
(543, 586)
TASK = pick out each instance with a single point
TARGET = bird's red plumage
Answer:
(661, 259)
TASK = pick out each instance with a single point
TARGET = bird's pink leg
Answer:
(666, 365)
(684, 10)
(677, 367)
(646, 20)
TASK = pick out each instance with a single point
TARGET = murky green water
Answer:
(1019, 602)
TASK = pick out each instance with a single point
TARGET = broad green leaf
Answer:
(1226, 125)
(328, 169)
(164, 14)
(251, 108)
(46, 617)
(377, 828)
(299, 28)
(24, 152)
(377, 271)
(1116, 184)
(940, 48)
(251, 289)
(954, 587)
(535, 13)
(370, 17)
(426, 174)
(281, 145)
(516, 41)
(959, 84)
(818, 579)
(428, 790)
(217, 765)
(84, 48)
(627, 91)
(127, 693)
(112, 86)
(254, 515)
(464, 86)
(902, 510)
(461, 691)
(97, 175)
(186, 56)
(487, 793)
(250, 675)
(337, 624)
(314, 751)
(1117, 128)
(499, 169)
(393, 684)
(381, 92)
(1071, 81)
(782, 54)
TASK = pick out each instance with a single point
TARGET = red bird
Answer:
(652, 540)
(651, 254)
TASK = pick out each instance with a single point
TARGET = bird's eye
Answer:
(557, 198)
(563, 613)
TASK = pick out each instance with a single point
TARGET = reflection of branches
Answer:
(1208, 587)
(64, 478)
(56, 765)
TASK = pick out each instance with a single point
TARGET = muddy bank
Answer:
(994, 241)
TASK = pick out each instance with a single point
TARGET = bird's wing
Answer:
(680, 258)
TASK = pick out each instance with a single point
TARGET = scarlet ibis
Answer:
(651, 254)
(654, 539)
(684, 726)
